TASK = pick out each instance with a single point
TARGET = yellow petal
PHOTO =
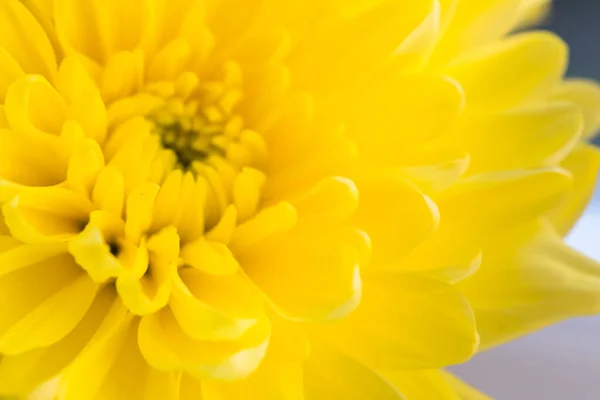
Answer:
(423, 384)
(247, 192)
(83, 98)
(268, 222)
(113, 367)
(407, 322)
(33, 106)
(60, 295)
(140, 205)
(527, 137)
(149, 293)
(435, 176)
(10, 71)
(309, 274)
(20, 33)
(330, 374)
(334, 198)
(534, 12)
(165, 346)
(487, 202)
(39, 161)
(586, 95)
(109, 191)
(210, 257)
(23, 372)
(529, 279)
(474, 23)
(46, 214)
(273, 380)
(84, 166)
(395, 214)
(354, 44)
(465, 392)
(214, 307)
(533, 61)
(400, 110)
(584, 165)
(92, 247)
(418, 46)
(123, 75)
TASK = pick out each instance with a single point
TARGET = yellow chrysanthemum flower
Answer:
(267, 199)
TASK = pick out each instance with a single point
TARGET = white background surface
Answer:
(559, 363)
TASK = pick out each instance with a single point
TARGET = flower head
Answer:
(269, 199)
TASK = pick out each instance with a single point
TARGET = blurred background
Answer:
(561, 362)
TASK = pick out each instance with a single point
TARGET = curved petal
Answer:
(478, 207)
(59, 296)
(40, 215)
(214, 307)
(433, 384)
(529, 279)
(465, 392)
(99, 29)
(584, 165)
(82, 96)
(472, 23)
(402, 110)
(422, 384)
(354, 39)
(10, 71)
(534, 62)
(526, 137)
(166, 347)
(407, 322)
(585, 95)
(113, 367)
(308, 274)
(395, 214)
(21, 373)
(34, 106)
(19, 33)
(329, 374)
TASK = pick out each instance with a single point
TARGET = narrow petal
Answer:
(115, 367)
(83, 98)
(60, 296)
(407, 322)
(19, 34)
(530, 279)
(23, 372)
(10, 71)
(527, 137)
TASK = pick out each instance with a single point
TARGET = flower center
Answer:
(199, 121)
